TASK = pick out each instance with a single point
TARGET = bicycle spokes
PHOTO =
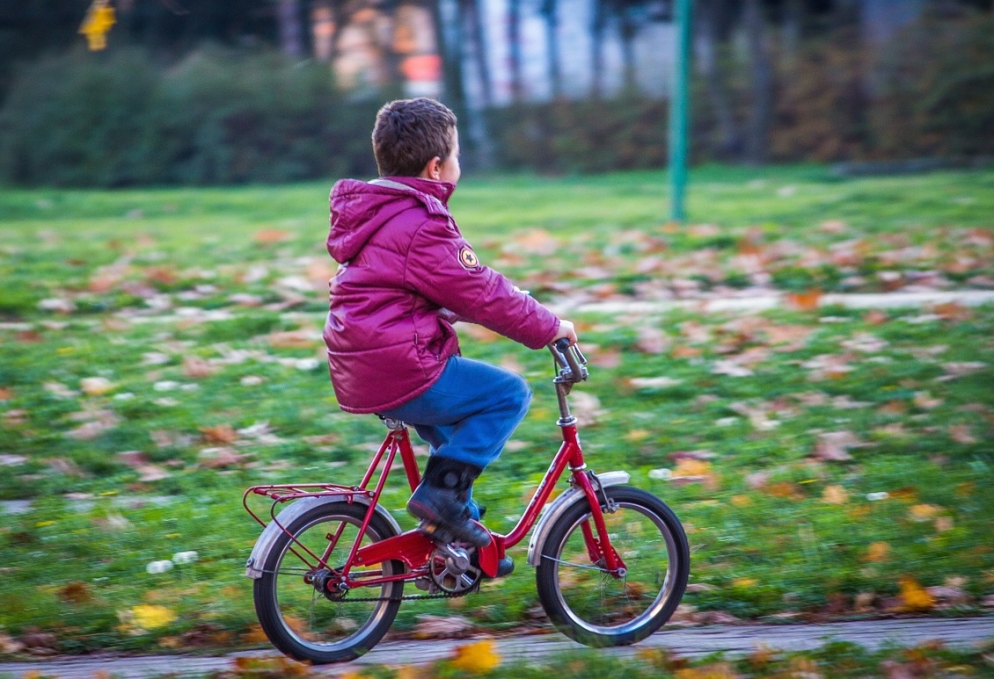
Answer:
(594, 603)
(315, 612)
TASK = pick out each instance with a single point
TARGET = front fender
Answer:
(556, 509)
(264, 545)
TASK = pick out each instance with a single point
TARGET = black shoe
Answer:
(440, 502)
(505, 567)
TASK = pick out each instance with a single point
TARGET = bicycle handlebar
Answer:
(570, 360)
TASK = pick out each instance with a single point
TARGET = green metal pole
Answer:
(679, 110)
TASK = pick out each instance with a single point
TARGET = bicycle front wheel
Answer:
(587, 602)
(298, 612)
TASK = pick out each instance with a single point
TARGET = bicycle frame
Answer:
(412, 547)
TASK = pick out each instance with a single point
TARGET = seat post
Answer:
(392, 424)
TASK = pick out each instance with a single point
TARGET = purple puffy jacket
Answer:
(402, 260)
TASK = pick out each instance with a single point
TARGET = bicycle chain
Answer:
(411, 597)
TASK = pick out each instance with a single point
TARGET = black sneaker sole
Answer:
(445, 534)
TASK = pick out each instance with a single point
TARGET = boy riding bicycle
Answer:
(405, 275)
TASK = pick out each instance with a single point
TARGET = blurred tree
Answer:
(452, 47)
(598, 26)
(472, 11)
(761, 83)
(628, 17)
(387, 41)
(291, 31)
(549, 10)
(472, 46)
(175, 27)
(341, 13)
(514, 46)
(715, 20)
(631, 16)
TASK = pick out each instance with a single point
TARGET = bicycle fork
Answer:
(596, 537)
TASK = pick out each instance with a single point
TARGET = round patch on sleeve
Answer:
(468, 258)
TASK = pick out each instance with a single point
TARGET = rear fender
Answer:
(264, 545)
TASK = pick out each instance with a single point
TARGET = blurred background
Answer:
(802, 371)
(140, 92)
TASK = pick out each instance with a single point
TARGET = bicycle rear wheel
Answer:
(591, 605)
(293, 609)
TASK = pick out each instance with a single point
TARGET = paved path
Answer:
(751, 303)
(746, 302)
(693, 641)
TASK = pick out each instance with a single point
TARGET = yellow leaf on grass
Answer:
(171, 642)
(477, 658)
(877, 552)
(914, 597)
(965, 489)
(221, 434)
(95, 386)
(804, 667)
(722, 670)
(804, 301)
(835, 495)
(150, 616)
(785, 489)
(686, 352)
(744, 582)
(943, 524)
(690, 467)
(762, 656)
(636, 435)
(266, 236)
(535, 242)
(659, 657)
(907, 494)
(924, 512)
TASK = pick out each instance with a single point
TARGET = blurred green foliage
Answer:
(222, 116)
(217, 117)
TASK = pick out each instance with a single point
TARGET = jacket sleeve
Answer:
(442, 267)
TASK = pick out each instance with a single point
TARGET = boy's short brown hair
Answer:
(409, 133)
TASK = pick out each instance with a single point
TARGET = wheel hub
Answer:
(328, 584)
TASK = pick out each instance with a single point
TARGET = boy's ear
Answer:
(432, 169)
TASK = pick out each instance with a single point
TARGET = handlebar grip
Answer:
(567, 359)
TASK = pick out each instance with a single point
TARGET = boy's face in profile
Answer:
(450, 170)
(447, 170)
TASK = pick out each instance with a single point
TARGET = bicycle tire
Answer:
(303, 623)
(584, 601)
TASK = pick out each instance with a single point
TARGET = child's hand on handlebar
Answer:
(566, 330)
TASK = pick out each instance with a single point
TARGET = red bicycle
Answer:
(611, 561)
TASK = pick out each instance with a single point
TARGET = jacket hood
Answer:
(360, 209)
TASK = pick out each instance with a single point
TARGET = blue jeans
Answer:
(469, 413)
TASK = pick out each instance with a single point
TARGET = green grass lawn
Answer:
(161, 352)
